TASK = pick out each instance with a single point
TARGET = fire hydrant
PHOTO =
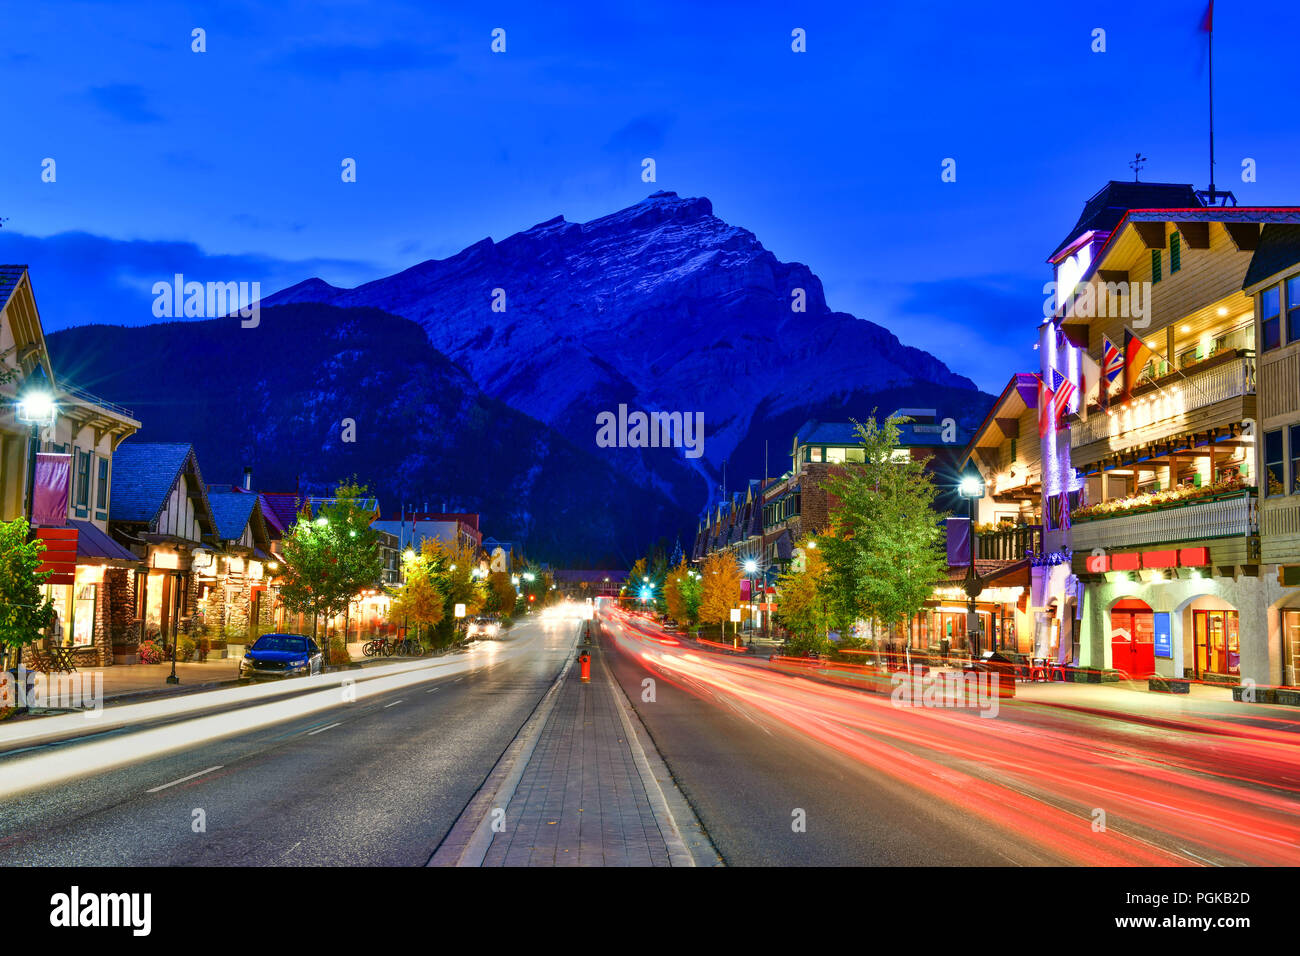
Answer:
(584, 663)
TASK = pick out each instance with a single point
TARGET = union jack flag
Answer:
(1112, 360)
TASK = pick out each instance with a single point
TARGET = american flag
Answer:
(1112, 360)
(1062, 394)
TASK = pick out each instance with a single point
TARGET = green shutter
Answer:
(1175, 253)
(1155, 265)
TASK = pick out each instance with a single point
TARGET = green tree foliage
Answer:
(682, 592)
(24, 609)
(331, 556)
(885, 551)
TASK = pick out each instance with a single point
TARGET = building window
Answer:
(1270, 314)
(1295, 459)
(1155, 265)
(1274, 464)
(834, 456)
(83, 480)
(1175, 253)
(1293, 309)
(101, 488)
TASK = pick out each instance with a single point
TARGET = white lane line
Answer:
(431, 690)
(320, 730)
(183, 779)
(393, 704)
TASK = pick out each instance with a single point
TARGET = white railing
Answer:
(1176, 397)
(1224, 518)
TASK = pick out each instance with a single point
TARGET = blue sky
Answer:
(225, 164)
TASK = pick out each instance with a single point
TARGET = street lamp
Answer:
(751, 567)
(36, 408)
(971, 487)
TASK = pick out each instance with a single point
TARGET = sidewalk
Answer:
(593, 791)
(129, 680)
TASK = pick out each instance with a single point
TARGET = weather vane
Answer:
(1137, 163)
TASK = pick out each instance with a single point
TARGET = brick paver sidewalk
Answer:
(581, 800)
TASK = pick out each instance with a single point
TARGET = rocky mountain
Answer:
(276, 397)
(660, 306)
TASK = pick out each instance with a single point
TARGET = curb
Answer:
(688, 845)
(471, 836)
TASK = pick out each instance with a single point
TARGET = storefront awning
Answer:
(96, 547)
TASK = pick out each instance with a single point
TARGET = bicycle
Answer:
(379, 647)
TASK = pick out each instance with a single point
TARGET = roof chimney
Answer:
(248, 478)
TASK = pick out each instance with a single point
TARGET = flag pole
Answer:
(1172, 365)
(1209, 35)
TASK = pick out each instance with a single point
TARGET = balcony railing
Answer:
(1176, 396)
(1223, 517)
(1009, 544)
(91, 399)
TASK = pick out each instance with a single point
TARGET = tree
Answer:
(419, 600)
(501, 595)
(720, 588)
(682, 591)
(24, 610)
(885, 552)
(806, 602)
(330, 556)
(451, 567)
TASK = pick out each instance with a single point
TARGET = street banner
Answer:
(958, 541)
(50, 491)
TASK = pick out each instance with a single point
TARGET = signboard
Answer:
(1163, 636)
(460, 610)
(735, 615)
(60, 554)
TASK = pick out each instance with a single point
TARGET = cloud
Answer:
(81, 278)
(126, 101)
(641, 134)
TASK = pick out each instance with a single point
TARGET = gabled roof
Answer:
(144, 474)
(1104, 210)
(9, 278)
(281, 508)
(1279, 249)
(232, 511)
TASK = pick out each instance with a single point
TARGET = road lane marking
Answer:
(320, 730)
(393, 704)
(183, 779)
(431, 690)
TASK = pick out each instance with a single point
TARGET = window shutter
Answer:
(1155, 265)
(1175, 253)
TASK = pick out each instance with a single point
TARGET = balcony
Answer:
(1203, 398)
(1234, 515)
(1009, 544)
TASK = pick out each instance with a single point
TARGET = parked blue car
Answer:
(281, 655)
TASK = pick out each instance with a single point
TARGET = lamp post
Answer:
(751, 568)
(971, 487)
(37, 409)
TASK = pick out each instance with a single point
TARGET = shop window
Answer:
(1270, 315)
(1291, 648)
(1274, 464)
(834, 456)
(858, 455)
(1218, 649)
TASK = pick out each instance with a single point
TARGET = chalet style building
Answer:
(161, 512)
(1152, 482)
(79, 442)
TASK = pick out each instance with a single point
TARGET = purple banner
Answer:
(50, 493)
(958, 541)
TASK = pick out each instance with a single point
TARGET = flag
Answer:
(1207, 22)
(1062, 393)
(1046, 408)
(1091, 374)
(1136, 356)
(1112, 362)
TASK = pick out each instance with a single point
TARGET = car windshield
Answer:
(281, 642)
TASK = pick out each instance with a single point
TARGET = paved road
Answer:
(376, 782)
(885, 785)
